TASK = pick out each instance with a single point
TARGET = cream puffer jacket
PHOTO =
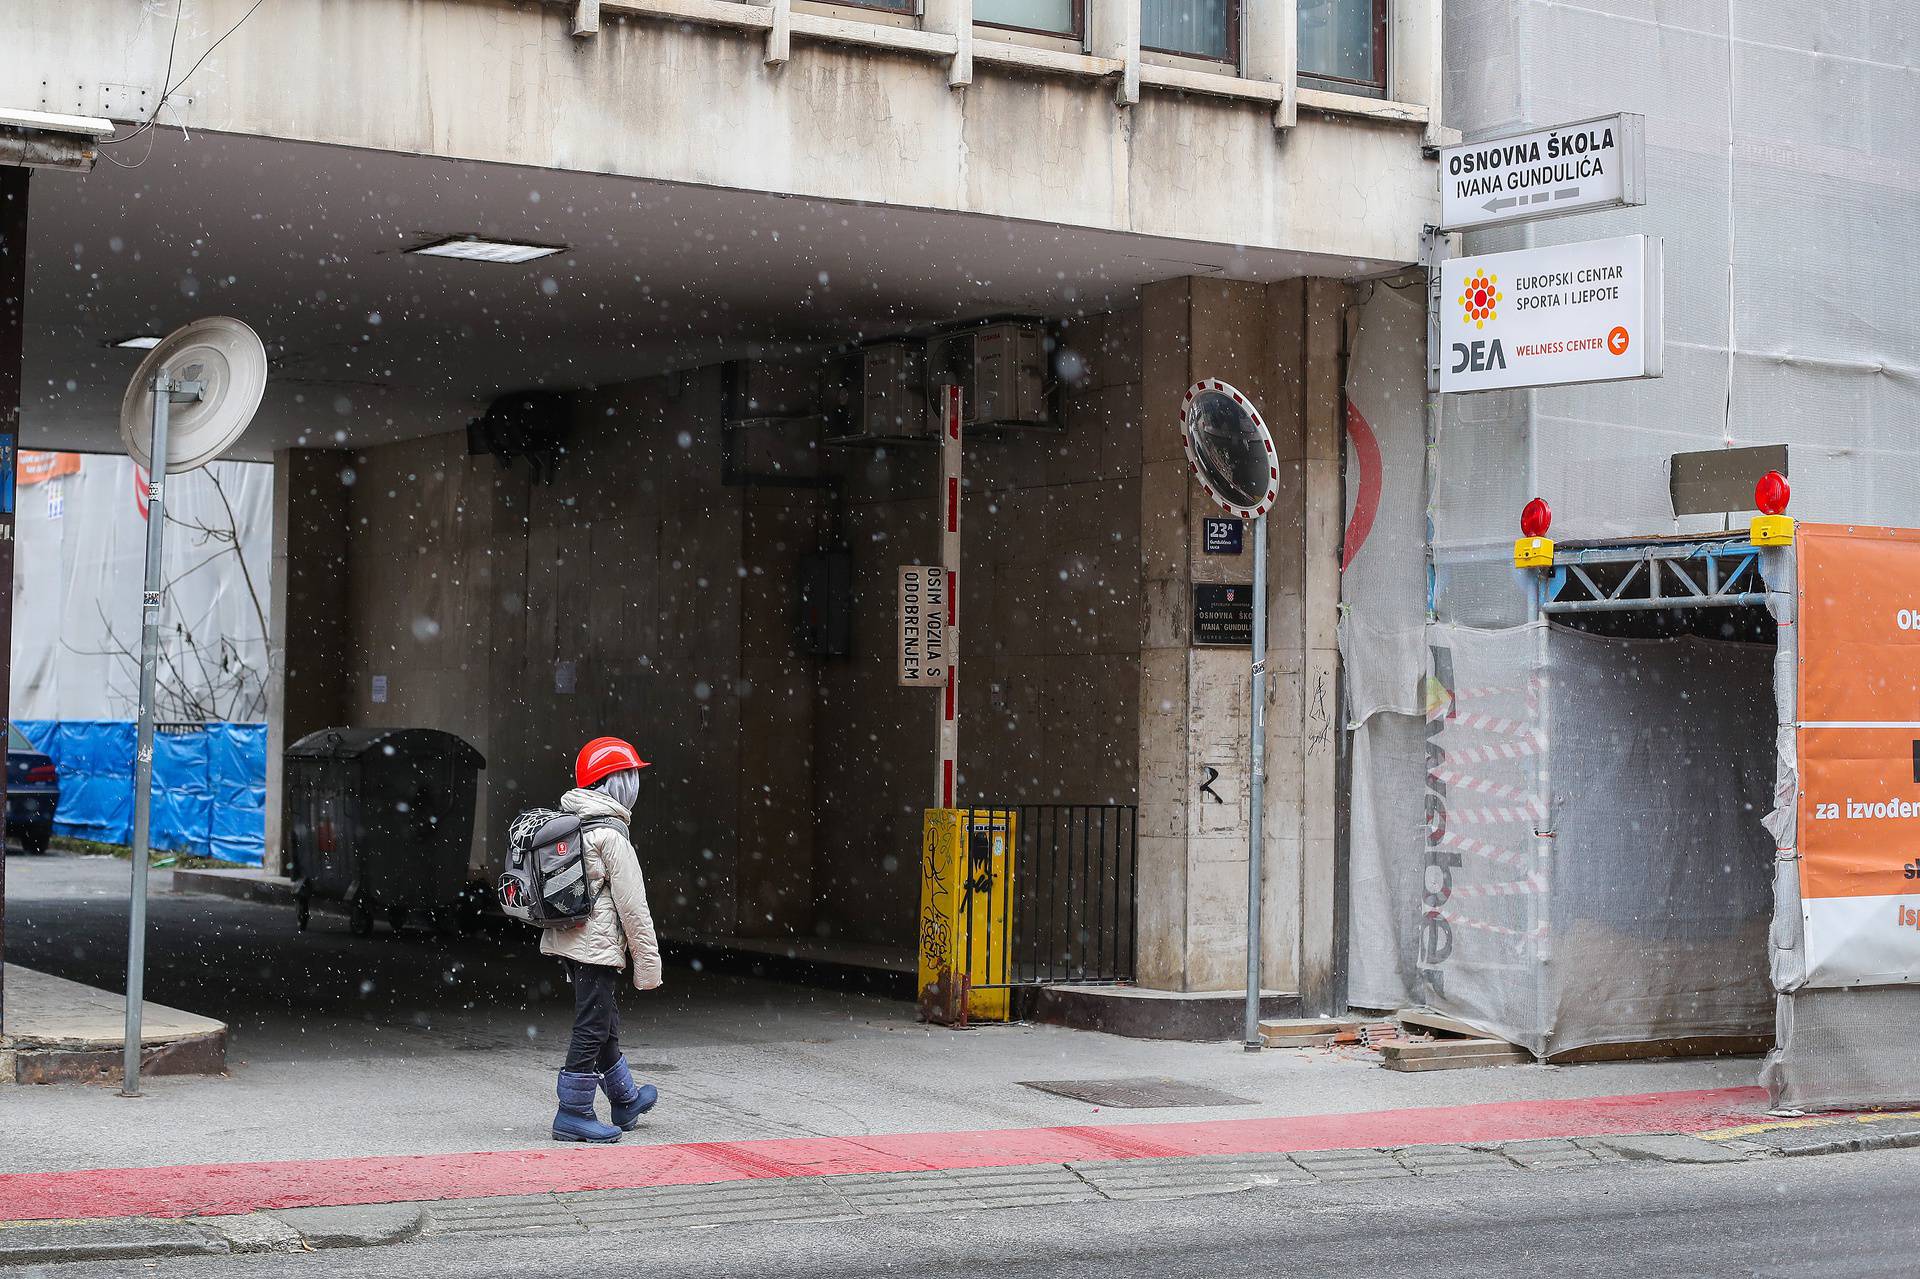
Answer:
(620, 923)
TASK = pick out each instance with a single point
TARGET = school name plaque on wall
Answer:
(1222, 615)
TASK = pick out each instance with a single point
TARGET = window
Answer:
(1343, 45)
(1196, 28)
(1049, 17)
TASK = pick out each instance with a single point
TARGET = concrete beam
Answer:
(680, 91)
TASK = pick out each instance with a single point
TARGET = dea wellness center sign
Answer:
(1587, 312)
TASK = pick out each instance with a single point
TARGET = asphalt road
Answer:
(1839, 1216)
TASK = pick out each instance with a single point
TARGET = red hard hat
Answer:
(603, 757)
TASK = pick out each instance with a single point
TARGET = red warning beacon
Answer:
(1534, 549)
(1773, 526)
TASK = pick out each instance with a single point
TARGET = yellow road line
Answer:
(1809, 1121)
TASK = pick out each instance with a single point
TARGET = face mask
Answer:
(622, 788)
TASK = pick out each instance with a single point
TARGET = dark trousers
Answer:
(596, 1018)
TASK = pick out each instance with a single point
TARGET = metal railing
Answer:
(1067, 911)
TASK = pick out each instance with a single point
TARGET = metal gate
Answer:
(1025, 895)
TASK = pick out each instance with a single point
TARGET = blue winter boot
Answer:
(575, 1120)
(630, 1100)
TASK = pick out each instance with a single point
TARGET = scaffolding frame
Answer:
(1652, 575)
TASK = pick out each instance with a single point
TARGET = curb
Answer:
(128, 1239)
(1851, 1145)
(148, 1238)
(1823, 1134)
(291, 1230)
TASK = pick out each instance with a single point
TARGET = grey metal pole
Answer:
(1256, 793)
(163, 389)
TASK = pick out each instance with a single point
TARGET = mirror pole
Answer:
(163, 388)
(1256, 793)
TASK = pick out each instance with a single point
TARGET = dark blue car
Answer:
(33, 792)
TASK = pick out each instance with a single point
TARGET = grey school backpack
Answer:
(545, 882)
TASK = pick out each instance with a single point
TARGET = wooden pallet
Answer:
(1662, 1049)
(1452, 1054)
(1439, 1023)
(1309, 1032)
(1447, 1029)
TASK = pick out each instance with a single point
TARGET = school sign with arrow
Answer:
(1551, 316)
(1570, 168)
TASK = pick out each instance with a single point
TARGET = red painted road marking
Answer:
(217, 1189)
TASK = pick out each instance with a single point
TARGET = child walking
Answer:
(597, 950)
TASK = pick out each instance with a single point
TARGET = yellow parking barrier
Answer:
(966, 895)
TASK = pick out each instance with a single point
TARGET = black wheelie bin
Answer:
(382, 820)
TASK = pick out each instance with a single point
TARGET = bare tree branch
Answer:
(246, 574)
(197, 681)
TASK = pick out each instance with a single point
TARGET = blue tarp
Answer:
(209, 784)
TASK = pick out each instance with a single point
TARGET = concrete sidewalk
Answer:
(60, 1031)
(344, 1047)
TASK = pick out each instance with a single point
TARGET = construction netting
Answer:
(79, 574)
(79, 569)
(1634, 902)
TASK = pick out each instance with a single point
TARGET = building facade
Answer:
(1578, 830)
(713, 201)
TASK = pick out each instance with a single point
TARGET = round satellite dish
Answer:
(228, 360)
(1229, 448)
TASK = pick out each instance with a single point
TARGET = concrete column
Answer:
(519, 774)
(1280, 345)
(306, 681)
(1415, 62)
(1270, 33)
(13, 304)
(1321, 329)
(954, 18)
(1113, 31)
(1165, 573)
(776, 690)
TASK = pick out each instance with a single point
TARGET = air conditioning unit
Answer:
(878, 395)
(1002, 372)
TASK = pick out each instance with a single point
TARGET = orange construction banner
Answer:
(1859, 812)
(1859, 623)
(37, 468)
(1858, 737)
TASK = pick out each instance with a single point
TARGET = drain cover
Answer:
(1136, 1094)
